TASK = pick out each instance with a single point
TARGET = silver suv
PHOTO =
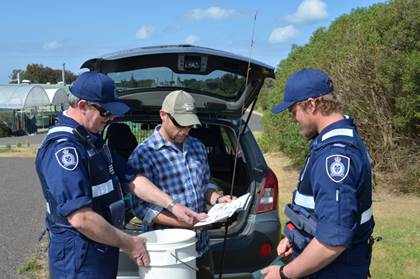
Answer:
(223, 85)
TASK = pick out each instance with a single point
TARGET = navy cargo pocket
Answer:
(60, 257)
(80, 252)
(299, 239)
(56, 251)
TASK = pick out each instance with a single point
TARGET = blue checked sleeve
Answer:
(145, 211)
(207, 173)
(139, 163)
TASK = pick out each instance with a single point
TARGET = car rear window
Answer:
(221, 83)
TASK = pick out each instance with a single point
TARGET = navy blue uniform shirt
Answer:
(62, 165)
(335, 185)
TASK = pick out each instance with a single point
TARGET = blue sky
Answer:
(52, 32)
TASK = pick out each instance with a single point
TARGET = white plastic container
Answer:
(172, 254)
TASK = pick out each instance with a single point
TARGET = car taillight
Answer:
(267, 199)
(265, 249)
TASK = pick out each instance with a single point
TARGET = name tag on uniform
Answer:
(102, 189)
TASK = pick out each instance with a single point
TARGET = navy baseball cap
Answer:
(302, 85)
(99, 88)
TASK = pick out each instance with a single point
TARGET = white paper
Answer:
(221, 211)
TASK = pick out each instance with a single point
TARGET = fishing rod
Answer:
(241, 131)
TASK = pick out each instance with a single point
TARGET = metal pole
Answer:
(63, 76)
(240, 131)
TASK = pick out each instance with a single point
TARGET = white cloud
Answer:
(309, 11)
(52, 45)
(211, 13)
(283, 34)
(144, 32)
(191, 39)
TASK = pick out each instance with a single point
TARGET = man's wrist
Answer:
(282, 275)
(170, 206)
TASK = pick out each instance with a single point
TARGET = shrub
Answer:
(373, 58)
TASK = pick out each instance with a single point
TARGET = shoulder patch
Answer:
(337, 167)
(67, 158)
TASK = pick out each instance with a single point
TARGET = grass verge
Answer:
(30, 266)
(22, 151)
(36, 266)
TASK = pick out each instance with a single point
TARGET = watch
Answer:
(170, 206)
(282, 275)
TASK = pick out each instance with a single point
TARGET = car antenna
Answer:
(241, 130)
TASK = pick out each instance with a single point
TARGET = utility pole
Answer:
(18, 77)
(63, 74)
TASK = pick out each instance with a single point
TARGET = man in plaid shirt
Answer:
(177, 164)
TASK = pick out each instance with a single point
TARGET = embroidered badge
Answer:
(337, 167)
(67, 158)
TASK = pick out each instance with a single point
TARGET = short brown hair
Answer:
(325, 104)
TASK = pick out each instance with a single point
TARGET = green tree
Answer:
(37, 73)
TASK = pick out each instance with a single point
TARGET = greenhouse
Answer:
(22, 97)
(26, 108)
(57, 96)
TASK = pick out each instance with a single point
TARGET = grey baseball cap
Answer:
(181, 106)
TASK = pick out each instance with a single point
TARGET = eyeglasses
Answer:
(179, 126)
(102, 112)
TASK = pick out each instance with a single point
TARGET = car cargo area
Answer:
(220, 142)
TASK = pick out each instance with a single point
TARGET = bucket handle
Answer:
(184, 262)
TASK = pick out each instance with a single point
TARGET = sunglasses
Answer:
(179, 126)
(102, 112)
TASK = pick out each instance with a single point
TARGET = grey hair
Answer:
(73, 100)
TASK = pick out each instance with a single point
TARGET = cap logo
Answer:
(188, 107)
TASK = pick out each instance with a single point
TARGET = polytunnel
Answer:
(57, 96)
(20, 97)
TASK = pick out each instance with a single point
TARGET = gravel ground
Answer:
(21, 213)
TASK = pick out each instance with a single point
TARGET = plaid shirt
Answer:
(182, 174)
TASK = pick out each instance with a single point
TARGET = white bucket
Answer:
(172, 254)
